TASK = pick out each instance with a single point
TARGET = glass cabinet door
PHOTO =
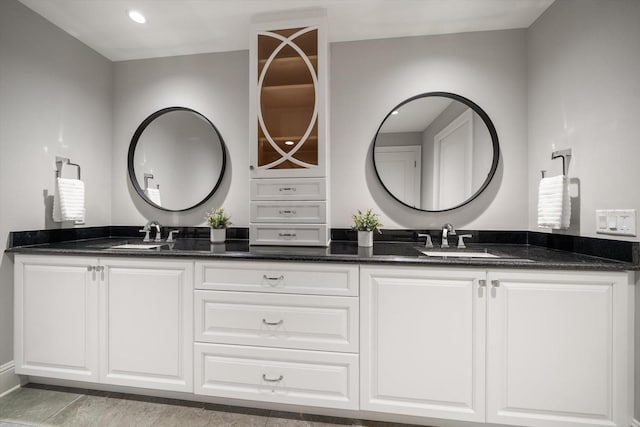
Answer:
(287, 92)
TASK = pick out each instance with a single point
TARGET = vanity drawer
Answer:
(291, 321)
(289, 234)
(300, 377)
(279, 277)
(299, 212)
(289, 189)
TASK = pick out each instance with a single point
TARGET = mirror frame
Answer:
(134, 143)
(485, 118)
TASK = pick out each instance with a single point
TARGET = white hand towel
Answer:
(154, 195)
(68, 200)
(554, 203)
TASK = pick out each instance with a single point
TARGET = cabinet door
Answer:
(422, 342)
(288, 99)
(557, 348)
(146, 331)
(56, 320)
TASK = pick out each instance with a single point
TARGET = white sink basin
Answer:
(459, 254)
(136, 246)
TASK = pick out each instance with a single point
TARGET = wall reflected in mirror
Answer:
(436, 152)
(176, 159)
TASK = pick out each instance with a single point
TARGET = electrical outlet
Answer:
(616, 221)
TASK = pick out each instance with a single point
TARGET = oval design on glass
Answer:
(287, 110)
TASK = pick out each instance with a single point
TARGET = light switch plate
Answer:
(616, 221)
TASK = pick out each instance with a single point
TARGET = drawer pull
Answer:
(278, 323)
(265, 277)
(272, 380)
(288, 189)
(287, 234)
(287, 212)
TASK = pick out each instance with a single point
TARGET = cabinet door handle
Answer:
(99, 268)
(278, 323)
(495, 283)
(90, 268)
(265, 277)
(482, 283)
(272, 380)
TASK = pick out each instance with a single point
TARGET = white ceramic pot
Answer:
(365, 238)
(218, 235)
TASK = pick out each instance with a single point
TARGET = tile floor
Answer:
(39, 405)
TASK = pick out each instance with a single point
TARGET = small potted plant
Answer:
(218, 220)
(365, 224)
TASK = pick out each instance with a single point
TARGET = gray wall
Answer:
(55, 99)
(584, 93)
(369, 77)
(217, 86)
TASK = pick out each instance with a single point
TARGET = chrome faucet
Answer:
(147, 228)
(447, 230)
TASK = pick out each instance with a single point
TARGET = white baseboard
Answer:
(9, 381)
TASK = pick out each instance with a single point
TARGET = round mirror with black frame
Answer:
(176, 159)
(436, 151)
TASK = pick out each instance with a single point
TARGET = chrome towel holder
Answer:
(565, 155)
(60, 162)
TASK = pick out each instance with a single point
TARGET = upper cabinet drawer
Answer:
(287, 212)
(292, 278)
(289, 189)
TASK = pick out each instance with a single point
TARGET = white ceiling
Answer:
(181, 27)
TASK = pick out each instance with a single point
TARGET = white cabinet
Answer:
(422, 342)
(56, 317)
(288, 128)
(557, 344)
(147, 323)
(111, 320)
(277, 332)
(559, 348)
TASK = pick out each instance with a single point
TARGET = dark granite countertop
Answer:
(400, 253)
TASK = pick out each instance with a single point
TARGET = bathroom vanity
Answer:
(535, 338)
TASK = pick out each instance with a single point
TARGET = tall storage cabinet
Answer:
(289, 138)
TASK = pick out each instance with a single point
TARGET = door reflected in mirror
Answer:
(176, 159)
(436, 151)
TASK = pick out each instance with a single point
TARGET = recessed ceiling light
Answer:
(394, 112)
(136, 16)
(289, 143)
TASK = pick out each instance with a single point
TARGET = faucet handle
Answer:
(170, 238)
(146, 234)
(461, 237)
(428, 243)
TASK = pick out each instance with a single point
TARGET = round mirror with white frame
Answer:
(436, 151)
(176, 159)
